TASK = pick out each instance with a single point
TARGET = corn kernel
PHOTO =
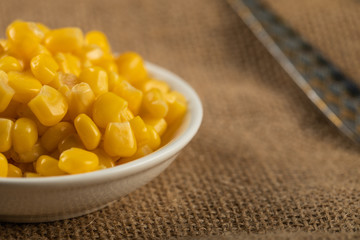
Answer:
(6, 92)
(6, 127)
(14, 171)
(44, 68)
(55, 134)
(177, 107)
(30, 156)
(9, 63)
(140, 130)
(23, 110)
(155, 104)
(60, 79)
(108, 108)
(82, 98)
(132, 95)
(44, 29)
(140, 152)
(113, 80)
(24, 135)
(119, 140)
(76, 160)
(154, 83)
(105, 161)
(49, 106)
(107, 65)
(31, 175)
(71, 141)
(68, 63)
(48, 166)
(3, 166)
(131, 66)
(159, 124)
(98, 38)
(154, 138)
(25, 86)
(97, 78)
(64, 40)
(91, 52)
(88, 131)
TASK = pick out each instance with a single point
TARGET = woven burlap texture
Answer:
(265, 160)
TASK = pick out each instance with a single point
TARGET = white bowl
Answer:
(55, 198)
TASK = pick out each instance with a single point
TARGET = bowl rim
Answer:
(195, 111)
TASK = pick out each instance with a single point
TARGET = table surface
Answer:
(265, 164)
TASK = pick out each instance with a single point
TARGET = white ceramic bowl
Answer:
(55, 198)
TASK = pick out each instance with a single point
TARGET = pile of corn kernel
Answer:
(68, 105)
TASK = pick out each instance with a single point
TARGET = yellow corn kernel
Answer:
(9, 63)
(23, 110)
(107, 65)
(154, 138)
(91, 53)
(71, 141)
(119, 139)
(76, 160)
(31, 175)
(98, 38)
(40, 49)
(25, 86)
(30, 156)
(6, 92)
(88, 131)
(159, 124)
(68, 63)
(105, 161)
(44, 68)
(49, 106)
(10, 111)
(114, 79)
(3, 166)
(140, 130)
(6, 127)
(48, 166)
(24, 135)
(82, 98)
(23, 37)
(55, 134)
(97, 78)
(177, 107)
(14, 171)
(140, 152)
(131, 66)
(154, 83)
(126, 115)
(61, 79)
(131, 94)
(64, 40)
(155, 104)
(108, 108)
(44, 29)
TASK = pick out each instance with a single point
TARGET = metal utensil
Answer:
(329, 89)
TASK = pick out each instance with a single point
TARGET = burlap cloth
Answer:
(265, 163)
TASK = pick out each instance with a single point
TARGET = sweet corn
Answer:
(107, 108)
(9, 63)
(119, 140)
(65, 96)
(97, 79)
(25, 86)
(154, 103)
(64, 40)
(132, 95)
(6, 128)
(14, 171)
(131, 66)
(99, 39)
(48, 166)
(24, 135)
(49, 106)
(44, 68)
(105, 161)
(6, 92)
(88, 131)
(82, 98)
(3, 166)
(71, 141)
(76, 160)
(55, 134)
(159, 124)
